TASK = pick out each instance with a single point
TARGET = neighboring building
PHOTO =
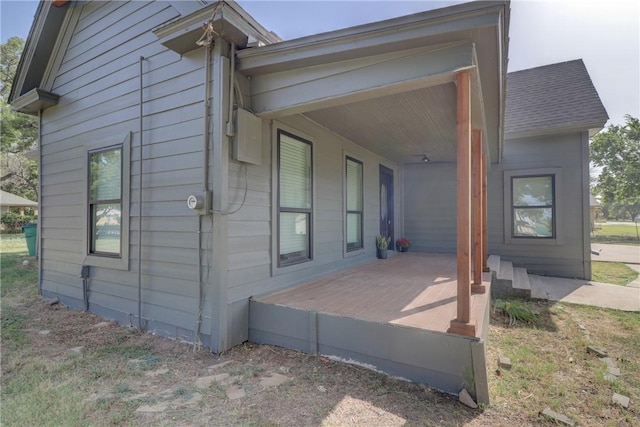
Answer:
(10, 201)
(185, 210)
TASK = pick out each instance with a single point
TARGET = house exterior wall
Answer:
(569, 256)
(430, 207)
(252, 269)
(98, 84)
(430, 200)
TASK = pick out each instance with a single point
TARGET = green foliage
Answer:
(9, 58)
(12, 221)
(382, 242)
(516, 311)
(18, 131)
(617, 151)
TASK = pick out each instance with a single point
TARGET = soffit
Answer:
(400, 127)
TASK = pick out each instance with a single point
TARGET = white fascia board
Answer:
(369, 39)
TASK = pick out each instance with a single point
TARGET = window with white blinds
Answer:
(294, 199)
(354, 203)
(105, 201)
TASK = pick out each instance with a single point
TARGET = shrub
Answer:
(515, 311)
(12, 221)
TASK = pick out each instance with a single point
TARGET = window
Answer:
(533, 206)
(105, 202)
(294, 199)
(354, 203)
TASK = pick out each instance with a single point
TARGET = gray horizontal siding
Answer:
(430, 207)
(555, 151)
(98, 85)
(250, 247)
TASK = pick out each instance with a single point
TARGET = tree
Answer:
(18, 132)
(10, 55)
(617, 151)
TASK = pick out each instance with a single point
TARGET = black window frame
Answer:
(309, 212)
(552, 206)
(91, 203)
(360, 212)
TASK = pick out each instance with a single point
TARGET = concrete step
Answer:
(506, 271)
(521, 278)
(493, 262)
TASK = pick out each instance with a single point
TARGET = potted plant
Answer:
(403, 244)
(382, 243)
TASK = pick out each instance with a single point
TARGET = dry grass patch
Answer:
(552, 368)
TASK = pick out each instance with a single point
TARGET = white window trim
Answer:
(277, 270)
(559, 209)
(361, 251)
(116, 263)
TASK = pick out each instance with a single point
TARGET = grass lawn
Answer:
(13, 244)
(615, 273)
(616, 234)
(66, 367)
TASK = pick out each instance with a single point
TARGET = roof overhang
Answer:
(406, 32)
(385, 58)
(38, 47)
(34, 101)
(592, 128)
(228, 19)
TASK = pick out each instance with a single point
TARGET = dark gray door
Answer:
(386, 204)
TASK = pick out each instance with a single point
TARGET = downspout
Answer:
(205, 181)
(140, 129)
(39, 227)
(232, 71)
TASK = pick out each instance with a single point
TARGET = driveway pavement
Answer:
(619, 253)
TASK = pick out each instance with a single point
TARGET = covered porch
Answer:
(409, 289)
(390, 315)
(425, 93)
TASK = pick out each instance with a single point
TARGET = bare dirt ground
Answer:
(66, 367)
(141, 379)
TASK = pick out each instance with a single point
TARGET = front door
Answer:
(386, 204)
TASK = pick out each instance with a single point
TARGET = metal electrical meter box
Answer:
(247, 144)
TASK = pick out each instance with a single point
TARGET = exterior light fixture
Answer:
(425, 159)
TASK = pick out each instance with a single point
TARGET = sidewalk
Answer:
(583, 292)
(628, 254)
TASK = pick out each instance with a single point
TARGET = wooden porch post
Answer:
(478, 214)
(462, 325)
(485, 237)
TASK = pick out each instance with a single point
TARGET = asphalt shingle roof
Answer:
(8, 199)
(552, 96)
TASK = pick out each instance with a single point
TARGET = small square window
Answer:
(533, 206)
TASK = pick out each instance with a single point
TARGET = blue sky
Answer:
(604, 33)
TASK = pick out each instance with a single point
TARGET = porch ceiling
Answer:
(401, 127)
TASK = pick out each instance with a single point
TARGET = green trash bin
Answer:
(31, 233)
